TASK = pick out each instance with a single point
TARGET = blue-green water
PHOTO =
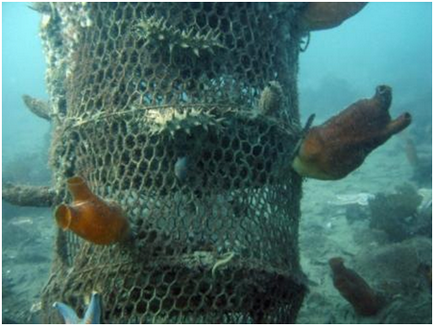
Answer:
(386, 43)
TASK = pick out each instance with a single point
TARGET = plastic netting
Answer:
(134, 89)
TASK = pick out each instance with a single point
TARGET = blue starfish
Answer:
(92, 315)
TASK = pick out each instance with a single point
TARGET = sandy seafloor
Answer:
(324, 233)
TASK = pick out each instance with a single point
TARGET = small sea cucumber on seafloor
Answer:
(354, 289)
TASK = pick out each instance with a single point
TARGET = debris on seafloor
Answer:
(355, 205)
(397, 213)
(340, 145)
(365, 301)
(90, 217)
(361, 199)
(21, 221)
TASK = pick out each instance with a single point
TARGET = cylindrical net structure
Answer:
(140, 90)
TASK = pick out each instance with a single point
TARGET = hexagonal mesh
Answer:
(136, 87)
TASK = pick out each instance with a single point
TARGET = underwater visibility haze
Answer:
(217, 162)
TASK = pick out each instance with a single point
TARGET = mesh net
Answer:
(134, 89)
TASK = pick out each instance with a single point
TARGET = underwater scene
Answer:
(213, 162)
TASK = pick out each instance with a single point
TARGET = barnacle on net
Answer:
(271, 99)
(158, 30)
(170, 120)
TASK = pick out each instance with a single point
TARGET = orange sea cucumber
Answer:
(90, 217)
(340, 145)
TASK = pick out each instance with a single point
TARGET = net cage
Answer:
(134, 89)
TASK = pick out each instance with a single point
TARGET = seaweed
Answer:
(395, 213)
